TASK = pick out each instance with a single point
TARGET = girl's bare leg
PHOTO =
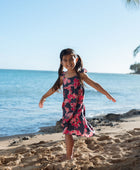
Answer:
(69, 146)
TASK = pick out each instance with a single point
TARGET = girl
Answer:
(73, 120)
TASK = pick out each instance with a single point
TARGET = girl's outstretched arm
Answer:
(48, 93)
(97, 86)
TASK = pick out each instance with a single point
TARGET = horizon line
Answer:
(57, 71)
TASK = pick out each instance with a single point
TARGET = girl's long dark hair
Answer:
(78, 67)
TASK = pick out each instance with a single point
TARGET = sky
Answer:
(103, 33)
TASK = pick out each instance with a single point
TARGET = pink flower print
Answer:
(67, 100)
(74, 95)
(76, 83)
(68, 116)
(68, 80)
(72, 132)
(86, 126)
(80, 92)
(65, 81)
(77, 115)
(67, 109)
(70, 96)
(69, 88)
(73, 122)
(79, 110)
(66, 130)
(81, 98)
(78, 133)
(85, 131)
(78, 121)
(73, 106)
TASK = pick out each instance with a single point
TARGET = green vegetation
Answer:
(135, 2)
(135, 67)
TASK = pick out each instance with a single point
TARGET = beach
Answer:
(116, 145)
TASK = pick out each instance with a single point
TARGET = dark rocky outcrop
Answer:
(113, 117)
(130, 113)
(52, 129)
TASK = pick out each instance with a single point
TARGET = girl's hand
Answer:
(110, 98)
(41, 102)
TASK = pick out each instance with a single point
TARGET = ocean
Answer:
(21, 90)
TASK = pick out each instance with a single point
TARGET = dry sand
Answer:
(113, 148)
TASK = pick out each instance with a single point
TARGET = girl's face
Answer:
(69, 61)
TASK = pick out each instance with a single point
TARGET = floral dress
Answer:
(73, 120)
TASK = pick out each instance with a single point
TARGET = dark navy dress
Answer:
(73, 120)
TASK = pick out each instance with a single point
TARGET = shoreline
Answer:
(114, 146)
(110, 119)
(103, 120)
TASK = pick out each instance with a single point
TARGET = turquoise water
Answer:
(21, 90)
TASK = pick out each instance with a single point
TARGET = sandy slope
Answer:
(112, 148)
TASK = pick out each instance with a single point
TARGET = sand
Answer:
(113, 148)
